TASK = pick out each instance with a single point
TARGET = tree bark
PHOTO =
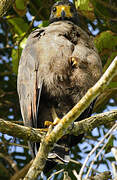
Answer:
(26, 133)
(4, 6)
(35, 135)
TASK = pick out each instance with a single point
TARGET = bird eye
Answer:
(71, 9)
(54, 9)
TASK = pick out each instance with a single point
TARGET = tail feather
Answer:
(59, 154)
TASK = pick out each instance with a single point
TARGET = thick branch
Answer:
(26, 133)
(35, 135)
(59, 130)
(5, 5)
(95, 121)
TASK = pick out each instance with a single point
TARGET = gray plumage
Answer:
(47, 76)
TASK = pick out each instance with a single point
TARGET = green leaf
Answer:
(20, 4)
(105, 40)
(112, 85)
(20, 26)
(84, 5)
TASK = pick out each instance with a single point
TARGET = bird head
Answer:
(64, 10)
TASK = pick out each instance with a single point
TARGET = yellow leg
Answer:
(44, 130)
(54, 117)
(48, 123)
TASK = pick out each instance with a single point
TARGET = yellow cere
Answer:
(65, 8)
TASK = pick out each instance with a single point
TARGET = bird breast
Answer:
(59, 43)
(54, 64)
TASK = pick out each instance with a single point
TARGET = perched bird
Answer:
(58, 65)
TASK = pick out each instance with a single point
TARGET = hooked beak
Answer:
(63, 14)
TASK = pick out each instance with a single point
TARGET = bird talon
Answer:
(44, 130)
(48, 123)
(74, 61)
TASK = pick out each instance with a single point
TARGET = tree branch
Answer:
(90, 123)
(93, 150)
(47, 144)
(26, 133)
(114, 167)
(5, 5)
(35, 135)
(20, 174)
(101, 176)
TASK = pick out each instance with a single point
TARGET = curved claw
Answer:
(74, 61)
(55, 118)
(48, 123)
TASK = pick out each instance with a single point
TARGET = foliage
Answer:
(97, 16)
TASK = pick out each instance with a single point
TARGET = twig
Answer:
(102, 176)
(10, 161)
(66, 176)
(75, 174)
(94, 149)
(96, 157)
(114, 169)
(79, 163)
(20, 174)
(55, 173)
(114, 151)
(15, 144)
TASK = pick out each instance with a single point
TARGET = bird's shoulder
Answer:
(60, 28)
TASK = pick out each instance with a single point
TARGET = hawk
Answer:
(58, 65)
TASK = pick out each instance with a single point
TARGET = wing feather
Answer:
(28, 84)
